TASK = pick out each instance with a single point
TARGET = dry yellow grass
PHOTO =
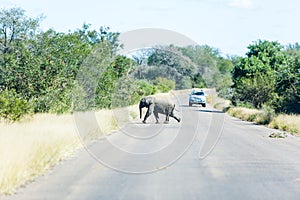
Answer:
(109, 120)
(246, 114)
(289, 123)
(30, 147)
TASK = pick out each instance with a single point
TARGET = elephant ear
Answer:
(150, 100)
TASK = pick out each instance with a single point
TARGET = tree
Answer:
(121, 66)
(256, 90)
(110, 79)
(55, 71)
(15, 26)
(141, 56)
(164, 84)
(42, 67)
(212, 70)
(268, 75)
(262, 57)
(170, 63)
(288, 85)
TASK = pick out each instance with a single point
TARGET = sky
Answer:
(229, 25)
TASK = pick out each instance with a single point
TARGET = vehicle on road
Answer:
(197, 97)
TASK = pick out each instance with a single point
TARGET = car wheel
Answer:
(190, 104)
(204, 105)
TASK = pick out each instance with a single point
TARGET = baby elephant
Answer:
(157, 106)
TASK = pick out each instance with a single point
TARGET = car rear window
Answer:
(198, 93)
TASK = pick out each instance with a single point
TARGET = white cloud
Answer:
(241, 3)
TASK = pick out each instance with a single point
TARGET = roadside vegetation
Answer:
(46, 76)
(266, 86)
(266, 116)
(289, 123)
(269, 76)
(263, 116)
(30, 147)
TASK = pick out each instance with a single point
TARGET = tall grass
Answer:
(262, 116)
(266, 116)
(30, 147)
(289, 123)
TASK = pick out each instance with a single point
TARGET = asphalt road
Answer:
(209, 155)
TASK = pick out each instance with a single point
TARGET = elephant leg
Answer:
(148, 113)
(172, 114)
(167, 118)
(176, 118)
(156, 116)
(169, 112)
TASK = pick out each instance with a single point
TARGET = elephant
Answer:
(157, 106)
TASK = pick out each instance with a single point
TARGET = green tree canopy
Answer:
(269, 74)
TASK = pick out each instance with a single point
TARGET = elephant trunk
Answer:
(140, 110)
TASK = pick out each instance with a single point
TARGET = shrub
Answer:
(129, 91)
(263, 116)
(266, 116)
(12, 106)
(164, 84)
(55, 101)
(144, 88)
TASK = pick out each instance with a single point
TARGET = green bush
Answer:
(266, 116)
(129, 91)
(12, 106)
(139, 89)
(144, 88)
(245, 105)
(55, 101)
(164, 84)
(124, 93)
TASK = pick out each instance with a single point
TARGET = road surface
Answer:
(209, 155)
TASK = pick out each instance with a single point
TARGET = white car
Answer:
(197, 97)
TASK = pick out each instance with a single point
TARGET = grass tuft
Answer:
(266, 116)
(289, 123)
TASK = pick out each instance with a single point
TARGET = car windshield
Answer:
(198, 93)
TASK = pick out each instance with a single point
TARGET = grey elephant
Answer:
(157, 106)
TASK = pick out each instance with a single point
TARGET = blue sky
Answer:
(229, 25)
